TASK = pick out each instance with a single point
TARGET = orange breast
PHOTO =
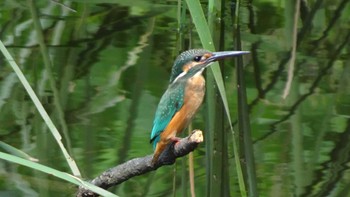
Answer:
(194, 94)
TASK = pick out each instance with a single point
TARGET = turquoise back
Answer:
(171, 102)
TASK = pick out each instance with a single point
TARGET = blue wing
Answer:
(171, 101)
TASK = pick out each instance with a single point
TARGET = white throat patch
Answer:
(199, 72)
(179, 76)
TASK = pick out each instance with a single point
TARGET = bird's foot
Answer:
(175, 139)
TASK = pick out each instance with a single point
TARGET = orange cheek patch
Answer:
(189, 66)
(206, 56)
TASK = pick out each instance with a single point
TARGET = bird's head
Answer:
(196, 60)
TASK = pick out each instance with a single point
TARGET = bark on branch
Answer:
(142, 165)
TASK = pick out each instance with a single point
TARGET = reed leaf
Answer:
(16, 152)
(62, 175)
(243, 115)
(203, 31)
(48, 68)
(73, 166)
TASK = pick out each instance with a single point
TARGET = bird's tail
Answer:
(161, 145)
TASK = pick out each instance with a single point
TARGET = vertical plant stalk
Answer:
(48, 121)
(48, 67)
(186, 176)
(174, 181)
(217, 153)
(293, 52)
(244, 127)
(77, 32)
(73, 166)
(243, 116)
(203, 31)
(191, 168)
(181, 18)
(296, 130)
(213, 149)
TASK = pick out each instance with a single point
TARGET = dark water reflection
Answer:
(111, 64)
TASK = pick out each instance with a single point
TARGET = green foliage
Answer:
(110, 64)
(61, 175)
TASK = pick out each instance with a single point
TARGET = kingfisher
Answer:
(183, 97)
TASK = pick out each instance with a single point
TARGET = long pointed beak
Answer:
(224, 54)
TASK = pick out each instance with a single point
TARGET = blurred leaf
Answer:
(16, 152)
(62, 175)
(39, 107)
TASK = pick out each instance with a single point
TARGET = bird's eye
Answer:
(197, 58)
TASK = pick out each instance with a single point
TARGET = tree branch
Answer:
(142, 165)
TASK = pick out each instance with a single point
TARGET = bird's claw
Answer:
(175, 139)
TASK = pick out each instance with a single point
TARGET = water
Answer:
(111, 64)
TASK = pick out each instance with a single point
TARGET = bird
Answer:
(183, 97)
